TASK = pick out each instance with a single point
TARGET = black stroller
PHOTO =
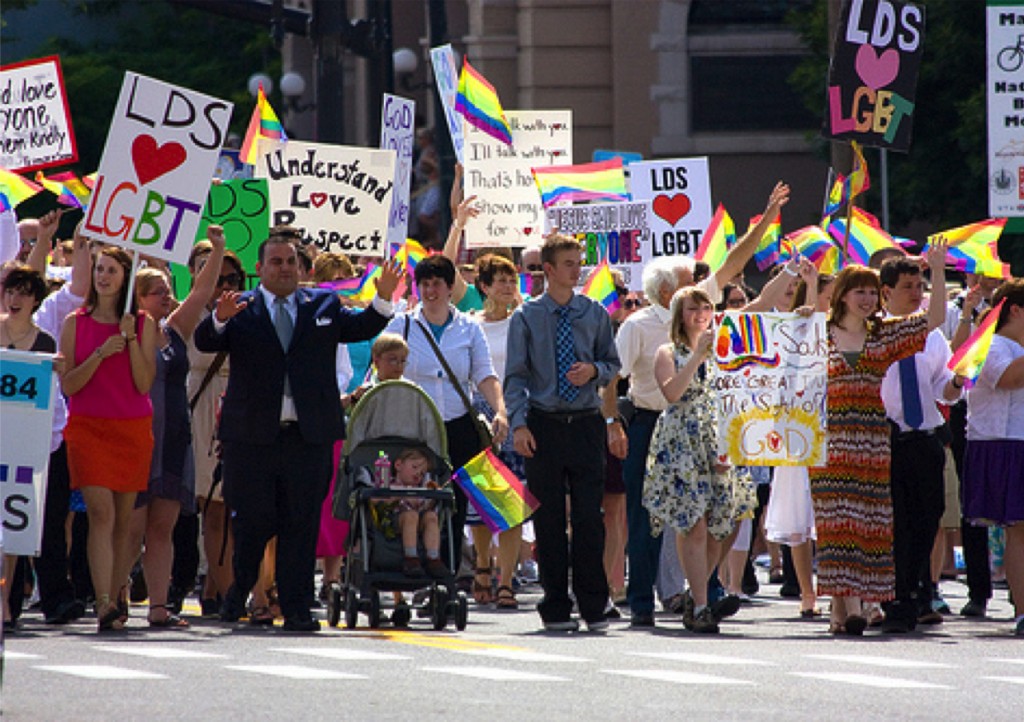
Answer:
(390, 417)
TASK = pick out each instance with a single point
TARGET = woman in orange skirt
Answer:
(110, 362)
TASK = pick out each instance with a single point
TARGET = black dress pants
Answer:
(51, 566)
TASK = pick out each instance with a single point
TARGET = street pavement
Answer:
(766, 664)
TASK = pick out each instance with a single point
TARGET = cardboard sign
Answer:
(1005, 93)
(872, 81)
(511, 213)
(338, 196)
(446, 75)
(770, 382)
(679, 191)
(163, 145)
(27, 391)
(616, 232)
(35, 124)
(398, 133)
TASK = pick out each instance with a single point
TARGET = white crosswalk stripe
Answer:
(710, 659)
(876, 661)
(521, 655)
(158, 651)
(870, 680)
(1011, 680)
(9, 655)
(676, 676)
(294, 671)
(495, 674)
(347, 655)
(101, 671)
(1006, 661)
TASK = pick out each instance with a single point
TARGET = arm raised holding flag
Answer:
(744, 249)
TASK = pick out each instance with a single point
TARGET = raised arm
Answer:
(461, 216)
(186, 317)
(47, 226)
(673, 383)
(81, 264)
(744, 249)
(936, 258)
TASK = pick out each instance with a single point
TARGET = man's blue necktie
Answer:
(913, 414)
(565, 355)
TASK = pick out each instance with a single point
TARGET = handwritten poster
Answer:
(616, 232)
(338, 196)
(35, 125)
(872, 82)
(162, 148)
(511, 213)
(446, 75)
(1005, 96)
(398, 133)
(679, 191)
(772, 370)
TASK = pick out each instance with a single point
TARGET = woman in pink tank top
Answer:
(110, 362)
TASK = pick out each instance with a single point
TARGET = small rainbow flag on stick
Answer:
(974, 248)
(478, 102)
(64, 195)
(16, 187)
(815, 245)
(356, 289)
(969, 359)
(718, 238)
(866, 236)
(601, 181)
(600, 286)
(495, 492)
(80, 189)
(847, 187)
(767, 253)
(262, 124)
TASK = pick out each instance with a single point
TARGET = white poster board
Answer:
(679, 191)
(446, 75)
(162, 148)
(339, 196)
(1005, 90)
(35, 123)
(27, 390)
(616, 232)
(511, 213)
(398, 133)
(771, 372)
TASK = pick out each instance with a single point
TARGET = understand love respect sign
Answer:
(679, 191)
(163, 145)
(35, 125)
(770, 382)
(338, 196)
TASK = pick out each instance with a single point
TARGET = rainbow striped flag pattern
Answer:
(495, 492)
(409, 254)
(600, 286)
(262, 124)
(866, 236)
(361, 288)
(969, 359)
(525, 284)
(718, 238)
(974, 248)
(64, 195)
(601, 181)
(16, 187)
(768, 250)
(478, 102)
(847, 187)
(5, 203)
(80, 188)
(817, 247)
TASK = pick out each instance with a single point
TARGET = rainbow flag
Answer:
(361, 288)
(969, 359)
(262, 124)
(64, 195)
(847, 187)
(409, 254)
(866, 236)
(16, 187)
(79, 188)
(768, 250)
(600, 286)
(495, 492)
(525, 284)
(478, 102)
(5, 203)
(816, 245)
(974, 248)
(602, 181)
(718, 238)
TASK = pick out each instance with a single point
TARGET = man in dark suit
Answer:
(281, 416)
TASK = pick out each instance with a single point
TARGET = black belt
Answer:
(565, 417)
(647, 412)
(913, 434)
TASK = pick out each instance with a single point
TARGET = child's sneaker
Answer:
(436, 568)
(411, 567)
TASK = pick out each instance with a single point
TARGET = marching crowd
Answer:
(215, 418)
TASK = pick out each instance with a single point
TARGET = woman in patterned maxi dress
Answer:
(851, 494)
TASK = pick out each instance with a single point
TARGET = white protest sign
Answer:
(162, 148)
(27, 390)
(770, 382)
(35, 124)
(398, 133)
(1005, 94)
(446, 75)
(613, 232)
(339, 196)
(680, 194)
(511, 213)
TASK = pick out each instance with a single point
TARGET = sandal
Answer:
(261, 616)
(110, 619)
(506, 598)
(482, 592)
(122, 605)
(171, 621)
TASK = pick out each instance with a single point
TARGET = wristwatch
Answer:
(609, 420)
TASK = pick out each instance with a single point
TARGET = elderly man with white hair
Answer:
(637, 341)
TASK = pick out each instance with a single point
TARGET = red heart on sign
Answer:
(671, 209)
(528, 230)
(774, 441)
(317, 199)
(152, 161)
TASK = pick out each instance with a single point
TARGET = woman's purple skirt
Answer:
(993, 484)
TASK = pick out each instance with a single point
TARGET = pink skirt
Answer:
(330, 542)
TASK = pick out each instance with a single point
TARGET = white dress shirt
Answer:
(932, 377)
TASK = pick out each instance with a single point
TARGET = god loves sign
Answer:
(161, 151)
(339, 196)
(873, 79)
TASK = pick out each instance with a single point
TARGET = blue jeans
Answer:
(643, 549)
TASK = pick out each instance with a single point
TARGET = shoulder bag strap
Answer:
(445, 366)
(218, 361)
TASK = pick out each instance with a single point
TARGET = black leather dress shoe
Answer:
(301, 624)
(67, 612)
(641, 620)
(233, 608)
